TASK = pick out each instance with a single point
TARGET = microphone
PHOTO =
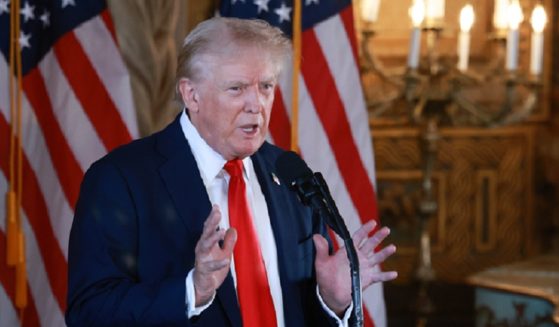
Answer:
(312, 190)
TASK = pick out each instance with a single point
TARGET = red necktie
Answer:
(253, 290)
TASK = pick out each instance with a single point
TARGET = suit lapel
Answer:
(286, 240)
(184, 183)
(182, 178)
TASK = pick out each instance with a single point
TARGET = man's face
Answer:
(230, 103)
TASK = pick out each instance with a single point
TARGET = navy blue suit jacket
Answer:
(139, 215)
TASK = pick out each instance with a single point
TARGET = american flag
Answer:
(333, 128)
(76, 106)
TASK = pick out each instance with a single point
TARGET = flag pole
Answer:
(297, 30)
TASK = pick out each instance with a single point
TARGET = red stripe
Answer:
(8, 280)
(330, 110)
(280, 126)
(67, 168)
(106, 17)
(347, 19)
(34, 206)
(90, 92)
(367, 321)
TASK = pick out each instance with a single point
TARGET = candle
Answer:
(369, 10)
(500, 21)
(515, 17)
(538, 21)
(434, 12)
(466, 22)
(434, 9)
(417, 13)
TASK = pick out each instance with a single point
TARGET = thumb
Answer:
(321, 246)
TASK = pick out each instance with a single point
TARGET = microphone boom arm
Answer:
(314, 192)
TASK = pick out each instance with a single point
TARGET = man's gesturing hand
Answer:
(212, 260)
(332, 271)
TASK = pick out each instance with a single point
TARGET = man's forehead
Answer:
(240, 65)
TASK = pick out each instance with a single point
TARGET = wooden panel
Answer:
(466, 237)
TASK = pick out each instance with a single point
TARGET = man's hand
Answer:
(332, 271)
(212, 260)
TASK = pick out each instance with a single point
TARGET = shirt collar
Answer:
(210, 162)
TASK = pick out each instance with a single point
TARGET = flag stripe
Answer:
(319, 155)
(92, 95)
(40, 296)
(106, 16)
(7, 276)
(7, 309)
(48, 308)
(325, 96)
(346, 16)
(78, 131)
(35, 149)
(342, 65)
(34, 206)
(92, 36)
(76, 106)
(67, 168)
(280, 126)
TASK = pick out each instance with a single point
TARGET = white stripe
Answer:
(47, 307)
(318, 154)
(373, 302)
(8, 315)
(105, 57)
(74, 124)
(316, 149)
(315, 146)
(35, 149)
(343, 67)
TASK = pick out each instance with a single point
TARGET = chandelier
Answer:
(433, 82)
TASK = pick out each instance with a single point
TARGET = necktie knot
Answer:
(234, 168)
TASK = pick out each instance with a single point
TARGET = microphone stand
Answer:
(314, 191)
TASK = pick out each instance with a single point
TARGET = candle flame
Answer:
(538, 19)
(417, 12)
(515, 14)
(467, 18)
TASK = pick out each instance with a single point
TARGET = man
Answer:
(190, 226)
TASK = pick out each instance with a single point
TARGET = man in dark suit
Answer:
(158, 236)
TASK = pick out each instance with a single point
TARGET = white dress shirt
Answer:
(216, 181)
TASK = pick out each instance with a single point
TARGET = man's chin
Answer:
(249, 148)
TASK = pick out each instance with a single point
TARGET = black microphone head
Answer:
(290, 167)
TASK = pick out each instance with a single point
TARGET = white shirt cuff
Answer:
(191, 310)
(344, 322)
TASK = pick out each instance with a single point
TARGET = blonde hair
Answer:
(217, 35)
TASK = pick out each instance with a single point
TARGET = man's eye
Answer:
(268, 86)
(235, 88)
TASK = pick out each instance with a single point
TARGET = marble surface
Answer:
(537, 277)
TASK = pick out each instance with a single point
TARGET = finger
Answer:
(362, 232)
(208, 243)
(372, 242)
(210, 228)
(382, 276)
(381, 255)
(212, 221)
(321, 246)
(229, 241)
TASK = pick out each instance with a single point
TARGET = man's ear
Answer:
(189, 94)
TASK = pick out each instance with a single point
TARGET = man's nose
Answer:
(255, 100)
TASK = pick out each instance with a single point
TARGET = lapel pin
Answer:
(276, 179)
